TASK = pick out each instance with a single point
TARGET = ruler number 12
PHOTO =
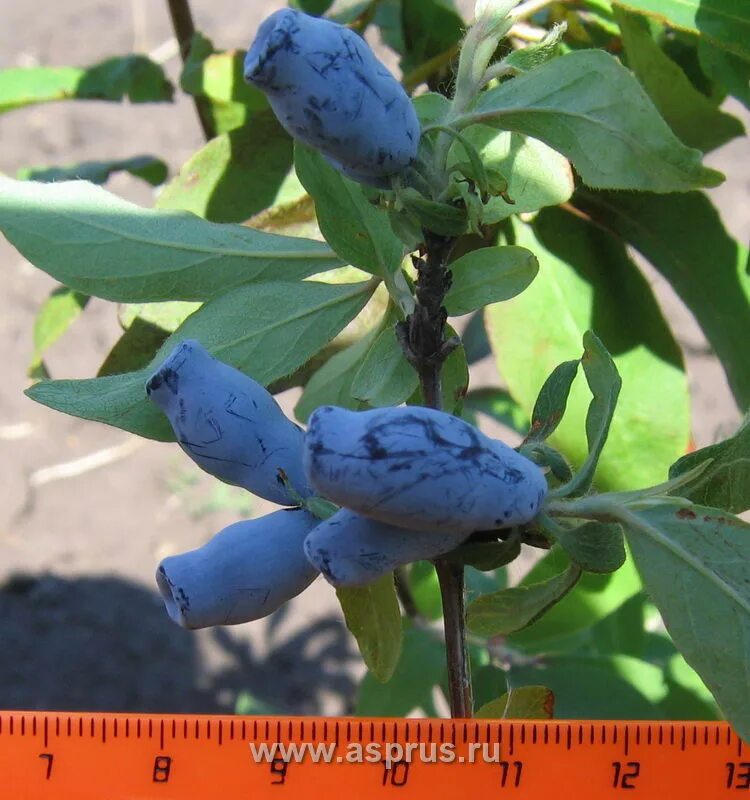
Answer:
(625, 774)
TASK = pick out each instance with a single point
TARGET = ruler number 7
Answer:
(625, 774)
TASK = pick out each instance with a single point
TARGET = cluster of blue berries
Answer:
(412, 483)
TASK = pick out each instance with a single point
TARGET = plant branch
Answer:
(451, 577)
(403, 590)
(184, 29)
(422, 337)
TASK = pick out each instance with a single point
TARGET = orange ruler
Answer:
(190, 757)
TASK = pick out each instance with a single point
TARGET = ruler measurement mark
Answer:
(94, 748)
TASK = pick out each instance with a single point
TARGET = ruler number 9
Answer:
(625, 774)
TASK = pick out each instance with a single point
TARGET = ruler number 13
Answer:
(738, 775)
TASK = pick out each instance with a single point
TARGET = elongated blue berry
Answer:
(421, 469)
(244, 573)
(228, 423)
(329, 90)
(351, 550)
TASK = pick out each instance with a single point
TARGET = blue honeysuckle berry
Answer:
(229, 424)
(420, 469)
(352, 550)
(244, 573)
(329, 90)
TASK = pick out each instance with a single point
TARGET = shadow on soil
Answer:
(103, 644)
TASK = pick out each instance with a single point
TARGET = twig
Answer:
(451, 577)
(184, 29)
(422, 338)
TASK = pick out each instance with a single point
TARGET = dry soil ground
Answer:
(81, 626)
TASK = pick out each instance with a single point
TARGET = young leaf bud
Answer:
(420, 469)
(244, 573)
(351, 550)
(229, 424)
(329, 90)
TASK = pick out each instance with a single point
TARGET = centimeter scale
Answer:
(82, 756)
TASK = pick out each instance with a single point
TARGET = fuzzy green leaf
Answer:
(526, 702)
(724, 23)
(237, 174)
(489, 275)
(511, 610)
(572, 294)
(96, 243)
(358, 231)
(725, 483)
(589, 107)
(693, 562)
(685, 239)
(131, 76)
(373, 616)
(266, 330)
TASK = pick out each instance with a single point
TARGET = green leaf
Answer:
(150, 169)
(684, 238)
(425, 589)
(689, 113)
(572, 294)
(475, 340)
(315, 7)
(134, 77)
(429, 27)
(332, 383)
(726, 69)
(266, 330)
(605, 383)
(693, 562)
(358, 231)
(537, 53)
(589, 107)
(597, 687)
(592, 599)
(135, 349)
(724, 23)
(373, 616)
(596, 547)
(218, 77)
(441, 218)
(58, 312)
(385, 377)
(549, 408)
(419, 670)
(489, 275)
(431, 107)
(499, 405)
(510, 610)
(725, 483)
(526, 702)
(96, 243)
(454, 377)
(537, 176)
(237, 174)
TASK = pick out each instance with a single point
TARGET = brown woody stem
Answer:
(422, 337)
(184, 28)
